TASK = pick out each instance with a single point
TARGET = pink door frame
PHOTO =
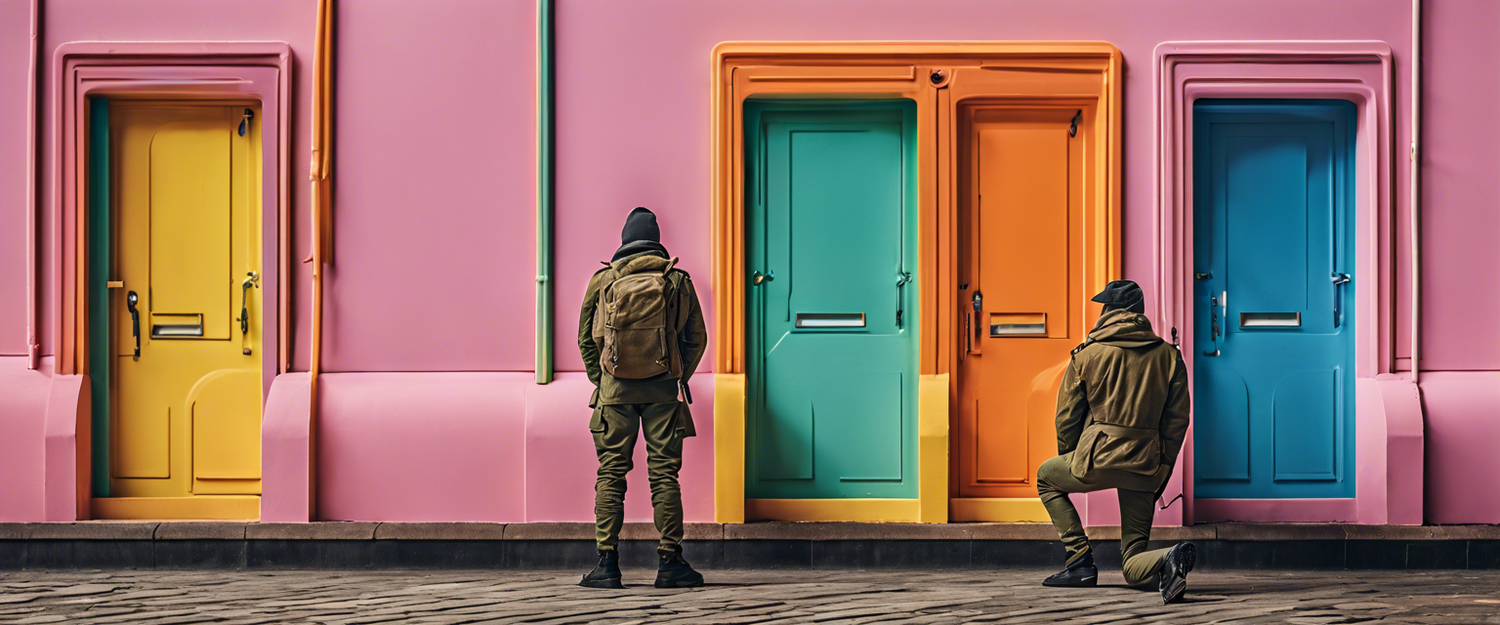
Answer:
(206, 71)
(1388, 418)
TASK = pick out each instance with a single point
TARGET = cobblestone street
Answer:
(737, 596)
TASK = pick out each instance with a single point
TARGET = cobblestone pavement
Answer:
(741, 597)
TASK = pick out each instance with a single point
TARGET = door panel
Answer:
(1273, 221)
(832, 362)
(186, 410)
(1020, 291)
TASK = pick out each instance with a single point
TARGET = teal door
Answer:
(1274, 221)
(832, 308)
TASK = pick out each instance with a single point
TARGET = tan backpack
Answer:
(636, 324)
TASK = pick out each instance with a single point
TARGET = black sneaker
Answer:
(675, 572)
(1080, 574)
(1175, 566)
(606, 574)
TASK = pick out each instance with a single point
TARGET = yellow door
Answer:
(186, 322)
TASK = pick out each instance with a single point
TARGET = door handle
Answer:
(1339, 280)
(1213, 328)
(252, 279)
(131, 299)
(758, 277)
(902, 277)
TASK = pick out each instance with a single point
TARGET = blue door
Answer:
(1274, 271)
(831, 305)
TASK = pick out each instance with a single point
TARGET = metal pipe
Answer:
(1414, 184)
(318, 172)
(544, 138)
(33, 345)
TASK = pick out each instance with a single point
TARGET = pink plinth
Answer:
(286, 451)
(560, 462)
(1463, 460)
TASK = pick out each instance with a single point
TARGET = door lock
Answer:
(1339, 280)
(131, 299)
(252, 279)
(758, 277)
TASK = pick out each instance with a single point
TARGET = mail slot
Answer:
(1271, 320)
(830, 320)
(176, 326)
(1007, 325)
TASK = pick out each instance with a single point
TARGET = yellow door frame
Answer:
(919, 71)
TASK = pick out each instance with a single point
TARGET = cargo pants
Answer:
(614, 442)
(1055, 481)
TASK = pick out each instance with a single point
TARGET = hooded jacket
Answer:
(1122, 408)
(692, 340)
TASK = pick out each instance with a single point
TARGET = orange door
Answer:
(1021, 294)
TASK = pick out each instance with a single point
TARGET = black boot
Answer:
(1175, 566)
(1079, 574)
(675, 572)
(607, 573)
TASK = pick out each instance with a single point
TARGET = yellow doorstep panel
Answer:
(186, 323)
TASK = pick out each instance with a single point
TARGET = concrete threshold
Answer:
(363, 544)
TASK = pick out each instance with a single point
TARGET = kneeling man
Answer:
(1122, 412)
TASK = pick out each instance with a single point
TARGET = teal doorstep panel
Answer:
(1273, 397)
(832, 367)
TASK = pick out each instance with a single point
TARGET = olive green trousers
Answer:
(1055, 481)
(614, 442)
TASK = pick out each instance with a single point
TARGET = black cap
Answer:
(1122, 294)
(640, 225)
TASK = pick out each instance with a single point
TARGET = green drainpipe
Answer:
(543, 191)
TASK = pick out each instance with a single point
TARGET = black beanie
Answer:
(640, 226)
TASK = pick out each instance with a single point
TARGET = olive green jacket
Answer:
(1123, 404)
(692, 343)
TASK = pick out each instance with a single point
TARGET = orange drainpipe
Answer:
(318, 172)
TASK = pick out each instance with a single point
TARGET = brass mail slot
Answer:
(830, 320)
(1271, 320)
(1007, 325)
(176, 325)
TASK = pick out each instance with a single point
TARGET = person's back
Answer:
(1122, 413)
(641, 335)
(1126, 373)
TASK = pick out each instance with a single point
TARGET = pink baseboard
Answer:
(23, 409)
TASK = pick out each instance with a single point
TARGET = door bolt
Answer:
(938, 77)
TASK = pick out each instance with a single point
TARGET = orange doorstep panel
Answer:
(1020, 289)
(186, 403)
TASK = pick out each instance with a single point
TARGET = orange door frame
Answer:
(923, 72)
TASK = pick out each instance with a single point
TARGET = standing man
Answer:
(1122, 412)
(641, 335)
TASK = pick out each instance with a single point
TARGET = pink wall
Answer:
(648, 142)
(15, 17)
(434, 210)
(1460, 188)
(434, 182)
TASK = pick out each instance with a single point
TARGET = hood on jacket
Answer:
(1119, 327)
(645, 261)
